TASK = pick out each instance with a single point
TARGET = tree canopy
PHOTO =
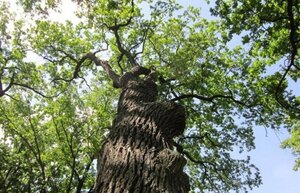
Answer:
(59, 91)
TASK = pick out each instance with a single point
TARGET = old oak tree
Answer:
(143, 96)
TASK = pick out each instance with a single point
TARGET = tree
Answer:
(186, 96)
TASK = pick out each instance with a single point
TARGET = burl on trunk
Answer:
(138, 155)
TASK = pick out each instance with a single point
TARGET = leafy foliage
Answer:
(272, 30)
(55, 111)
(54, 143)
(293, 143)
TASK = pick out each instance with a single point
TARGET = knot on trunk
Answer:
(172, 160)
(172, 119)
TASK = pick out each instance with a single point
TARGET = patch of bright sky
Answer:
(66, 12)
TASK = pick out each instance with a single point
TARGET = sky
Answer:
(275, 164)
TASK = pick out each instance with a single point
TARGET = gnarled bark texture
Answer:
(137, 156)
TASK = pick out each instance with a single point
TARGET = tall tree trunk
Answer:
(138, 156)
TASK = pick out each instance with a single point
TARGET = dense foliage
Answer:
(57, 102)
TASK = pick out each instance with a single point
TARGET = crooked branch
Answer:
(92, 57)
(293, 42)
(115, 29)
(12, 83)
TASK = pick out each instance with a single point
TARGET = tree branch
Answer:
(12, 82)
(34, 90)
(90, 56)
(293, 42)
(38, 152)
(209, 99)
(115, 30)
(107, 68)
(143, 41)
(275, 19)
(159, 54)
(3, 91)
(77, 67)
(180, 149)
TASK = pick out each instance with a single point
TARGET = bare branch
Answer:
(86, 83)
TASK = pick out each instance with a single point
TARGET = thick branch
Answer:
(107, 68)
(91, 56)
(139, 70)
(77, 67)
(115, 30)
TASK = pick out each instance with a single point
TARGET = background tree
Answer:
(66, 100)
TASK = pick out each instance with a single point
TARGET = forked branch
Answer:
(115, 29)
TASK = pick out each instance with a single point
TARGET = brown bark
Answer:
(138, 156)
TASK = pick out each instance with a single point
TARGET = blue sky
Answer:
(275, 164)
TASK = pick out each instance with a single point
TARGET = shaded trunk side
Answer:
(137, 156)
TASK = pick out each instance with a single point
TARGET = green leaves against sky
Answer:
(231, 73)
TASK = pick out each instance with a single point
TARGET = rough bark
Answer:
(138, 156)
